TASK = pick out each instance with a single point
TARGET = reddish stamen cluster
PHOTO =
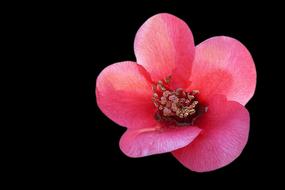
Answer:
(174, 105)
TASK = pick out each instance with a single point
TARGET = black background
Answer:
(85, 38)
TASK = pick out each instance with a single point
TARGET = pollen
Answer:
(178, 105)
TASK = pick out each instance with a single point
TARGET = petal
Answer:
(145, 142)
(225, 133)
(124, 93)
(223, 65)
(164, 46)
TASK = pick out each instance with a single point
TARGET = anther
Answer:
(166, 93)
(163, 100)
(167, 79)
(194, 92)
(167, 112)
(160, 85)
(154, 88)
(155, 95)
(173, 98)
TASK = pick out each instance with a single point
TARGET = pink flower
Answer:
(180, 98)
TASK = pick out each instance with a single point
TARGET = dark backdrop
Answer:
(88, 37)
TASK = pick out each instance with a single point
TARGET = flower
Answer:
(180, 98)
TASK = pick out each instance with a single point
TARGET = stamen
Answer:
(194, 92)
(179, 106)
(178, 91)
(174, 107)
(190, 97)
(168, 104)
(160, 85)
(166, 93)
(163, 100)
(155, 95)
(173, 98)
(154, 88)
(167, 112)
(167, 79)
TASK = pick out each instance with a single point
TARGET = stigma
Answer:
(176, 105)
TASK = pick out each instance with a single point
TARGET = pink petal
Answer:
(225, 133)
(164, 46)
(223, 65)
(124, 94)
(148, 141)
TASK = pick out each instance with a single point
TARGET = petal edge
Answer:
(164, 46)
(123, 93)
(144, 142)
(223, 65)
(225, 134)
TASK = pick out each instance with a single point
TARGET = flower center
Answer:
(178, 106)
